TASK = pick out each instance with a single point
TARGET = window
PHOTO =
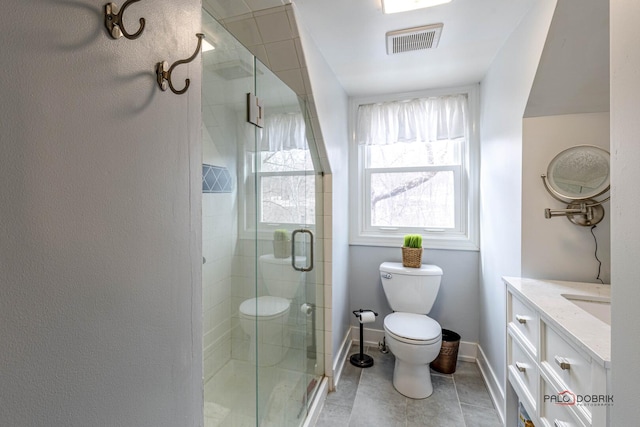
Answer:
(414, 170)
(286, 187)
(279, 177)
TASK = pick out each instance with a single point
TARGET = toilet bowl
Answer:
(265, 319)
(413, 337)
(415, 341)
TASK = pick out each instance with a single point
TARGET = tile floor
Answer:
(366, 397)
(230, 396)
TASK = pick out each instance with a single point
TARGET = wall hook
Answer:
(113, 21)
(163, 70)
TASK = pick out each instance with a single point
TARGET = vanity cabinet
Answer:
(554, 374)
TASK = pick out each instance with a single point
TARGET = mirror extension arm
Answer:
(585, 212)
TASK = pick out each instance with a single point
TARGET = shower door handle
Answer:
(293, 250)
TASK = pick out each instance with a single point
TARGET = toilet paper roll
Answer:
(367, 317)
(306, 309)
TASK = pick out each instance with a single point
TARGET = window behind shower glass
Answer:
(279, 175)
(286, 187)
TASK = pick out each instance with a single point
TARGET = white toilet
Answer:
(270, 313)
(413, 337)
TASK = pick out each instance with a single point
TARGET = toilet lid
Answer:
(265, 306)
(413, 328)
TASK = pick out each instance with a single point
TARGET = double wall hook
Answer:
(113, 21)
(163, 70)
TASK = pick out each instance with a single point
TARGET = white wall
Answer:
(100, 254)
(555, 248)
(573, 74)
(625, 228)
(331, 104)
(219, 226)
(504, 93)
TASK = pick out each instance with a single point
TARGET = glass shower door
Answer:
(288, 186)
(229, 233)
(262, 244)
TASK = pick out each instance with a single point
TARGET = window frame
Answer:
(457, 181)
(262, 225)
(250, 208)
(465, 236)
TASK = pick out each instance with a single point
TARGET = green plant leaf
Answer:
(413, 241)
(280, 235)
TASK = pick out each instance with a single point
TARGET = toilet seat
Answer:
(265, 307)
(412, 328)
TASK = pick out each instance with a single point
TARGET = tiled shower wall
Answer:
(217, 243)
(219, 222)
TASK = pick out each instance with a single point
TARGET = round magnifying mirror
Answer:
(579, 172)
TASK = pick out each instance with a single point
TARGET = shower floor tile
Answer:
(230, 396)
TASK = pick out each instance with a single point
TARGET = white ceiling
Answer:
(351, 36)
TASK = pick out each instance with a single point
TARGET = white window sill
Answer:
(461, 243)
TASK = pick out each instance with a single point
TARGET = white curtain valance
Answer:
(424, 119)
(283, 132)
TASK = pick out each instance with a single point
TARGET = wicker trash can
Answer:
(446, 361)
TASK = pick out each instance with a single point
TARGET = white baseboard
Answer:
(318, 404)
(341, 357)
(371, 336)
(496, 390)
(467, 352)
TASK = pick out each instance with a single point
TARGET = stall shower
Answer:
(262, 241)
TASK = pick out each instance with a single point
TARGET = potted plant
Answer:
(281, 244)
(412, 251)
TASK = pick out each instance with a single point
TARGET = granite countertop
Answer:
(587, 332)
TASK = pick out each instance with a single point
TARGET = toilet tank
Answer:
(279, 277)
(410, 290)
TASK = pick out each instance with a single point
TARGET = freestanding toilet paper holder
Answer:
(362, 360)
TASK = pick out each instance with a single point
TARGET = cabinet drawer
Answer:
(567, 364)
(557, 413)
(525, 321)
(523, 370)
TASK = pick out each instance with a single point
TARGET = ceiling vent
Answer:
(418, 38)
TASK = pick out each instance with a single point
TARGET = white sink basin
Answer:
(599, 307)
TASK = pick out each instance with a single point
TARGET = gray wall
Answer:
(504, 93)
(456, 307)
(625, 229)
(100, 255)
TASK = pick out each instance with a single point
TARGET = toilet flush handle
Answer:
(386, 275)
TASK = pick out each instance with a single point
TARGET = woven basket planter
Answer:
(412, 257)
